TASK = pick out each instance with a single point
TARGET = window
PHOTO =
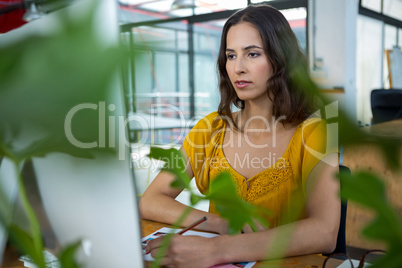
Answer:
(372, 4)
(379, 30)
(368, 64)
(173, 60)
(389, 42)
(393, 8)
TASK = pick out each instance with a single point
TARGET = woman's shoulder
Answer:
(204, 133)
(212, 116)
(312, 125)
(317, 135)
(210, 122)
(311, 132)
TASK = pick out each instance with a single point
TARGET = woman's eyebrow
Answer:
(246, 48)
(252, 47)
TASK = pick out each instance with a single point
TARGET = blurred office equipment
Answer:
(93, 200)
(386, 104)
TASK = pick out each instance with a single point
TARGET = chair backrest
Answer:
(341, 240)
(386, 104)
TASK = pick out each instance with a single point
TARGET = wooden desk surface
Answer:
(368, 156)
(10, 257)
(391, 129)
(307, 261)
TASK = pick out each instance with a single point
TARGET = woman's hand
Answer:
(186, 251)
(221, 225)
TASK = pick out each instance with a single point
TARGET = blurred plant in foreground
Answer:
(42, 77)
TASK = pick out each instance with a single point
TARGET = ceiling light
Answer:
(180, 4)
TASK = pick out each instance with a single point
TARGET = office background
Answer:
(174, 50)
(174, 60)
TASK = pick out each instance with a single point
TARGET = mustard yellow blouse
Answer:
(281, 187)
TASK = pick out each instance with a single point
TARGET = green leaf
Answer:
(391, 152)
(368, 190)
(49, 144)
(393, 258)
(42, 79)
(229, 205)
(24, 242)
(364, 188)
(194, 199)
(222, 192)
(67, 256)
(174, 164)
(61, 70)
(384, 228)
(166, 241)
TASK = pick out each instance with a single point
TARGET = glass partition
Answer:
(145, 10)
(368, 64)
(172, 73)
(399, 37)
(206, 46)
(297, 18)
(372, 4)
(393, 8)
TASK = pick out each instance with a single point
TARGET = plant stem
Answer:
(33, 221)
(168, 238)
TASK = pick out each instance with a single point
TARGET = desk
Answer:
(391, 129)
(307, 261)
(368, 156)
(10, 259)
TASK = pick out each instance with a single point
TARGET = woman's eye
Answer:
(254, 54)
(230, 56)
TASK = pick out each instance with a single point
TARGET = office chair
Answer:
(386, 104)
(341, 239)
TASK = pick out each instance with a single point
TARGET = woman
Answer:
(278, 158)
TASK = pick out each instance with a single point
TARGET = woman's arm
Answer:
(317, 233)
(158, 203)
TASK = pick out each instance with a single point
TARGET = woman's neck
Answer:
(255, 116)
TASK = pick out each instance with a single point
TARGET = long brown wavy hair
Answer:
(288, 87)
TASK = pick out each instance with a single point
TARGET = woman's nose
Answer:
(240, 66)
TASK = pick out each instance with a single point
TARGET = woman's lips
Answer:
(242, 84)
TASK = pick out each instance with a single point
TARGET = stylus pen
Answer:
(192, 225)
(189, 227)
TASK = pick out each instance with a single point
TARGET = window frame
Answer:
(128, 27)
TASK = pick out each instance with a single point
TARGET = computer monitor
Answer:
(93, 200)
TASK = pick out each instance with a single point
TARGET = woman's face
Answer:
(246, 63)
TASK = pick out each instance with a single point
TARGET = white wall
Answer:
(369, 64)
(332, 35)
